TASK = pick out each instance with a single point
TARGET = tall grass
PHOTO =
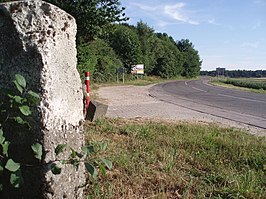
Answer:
(167, 160)
(246, 83)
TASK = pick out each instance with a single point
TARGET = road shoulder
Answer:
(136, 102)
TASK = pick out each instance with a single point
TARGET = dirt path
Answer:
(135, 102)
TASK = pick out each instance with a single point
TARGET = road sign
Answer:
(138, 69)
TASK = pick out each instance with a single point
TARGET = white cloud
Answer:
(176, 12)
(250, 44)
(166, 14)
(145, 7)
(213, 22)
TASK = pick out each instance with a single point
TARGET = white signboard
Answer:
(138, 69)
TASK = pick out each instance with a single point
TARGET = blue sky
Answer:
(227, 33)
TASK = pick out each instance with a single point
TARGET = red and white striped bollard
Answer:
(87, 83)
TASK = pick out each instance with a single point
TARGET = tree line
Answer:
(106, 42)
(237, 73)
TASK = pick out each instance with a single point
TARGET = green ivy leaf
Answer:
(16, 179)
(91, 169)
(33, 97)
(19, 120)
(33, 94)
(37, 149)
(59, 149)
(55, 169)
(18, 99)
(20, 80)
(5, 146)
(25, 110)
(107, 163)
(10, 96)
(20, 89)
(2, 138)
(88, 149)
(12, 166)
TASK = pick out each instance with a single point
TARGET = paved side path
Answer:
(135, 102)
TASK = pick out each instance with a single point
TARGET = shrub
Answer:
(99, 59)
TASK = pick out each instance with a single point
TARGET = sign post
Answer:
(220, 72)
(120, 70)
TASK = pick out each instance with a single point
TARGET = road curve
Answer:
(238, 106)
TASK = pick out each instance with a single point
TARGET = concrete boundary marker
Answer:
(38, 41)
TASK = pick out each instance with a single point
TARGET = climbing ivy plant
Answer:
(19, 111)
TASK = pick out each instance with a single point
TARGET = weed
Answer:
(167, 160)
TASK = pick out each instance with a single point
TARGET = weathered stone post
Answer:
(37, 40)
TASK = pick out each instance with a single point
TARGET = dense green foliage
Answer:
(126, 44)
(93, 17)
(237, 73)
(15, 124)
(105, 45)
(166, 57)
(191, 64)
(98, 58)
(160, 54)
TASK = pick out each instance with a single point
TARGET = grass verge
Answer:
(178, 160)
(257, 85)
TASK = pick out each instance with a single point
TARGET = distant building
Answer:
(220, 72)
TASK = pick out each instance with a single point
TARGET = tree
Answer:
(160, 54)
(146, 37)
(168, 58)
(126, 44)
(98, 58)
(92, 16)
(192, 62)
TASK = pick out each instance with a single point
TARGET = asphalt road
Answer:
(239, 106)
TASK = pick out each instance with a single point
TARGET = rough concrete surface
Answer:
(37, 41)
(96, 110)
(135, 102)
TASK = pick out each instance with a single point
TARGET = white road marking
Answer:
(207, 84)
(195, 88)
(241, 98)
(199, 89)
